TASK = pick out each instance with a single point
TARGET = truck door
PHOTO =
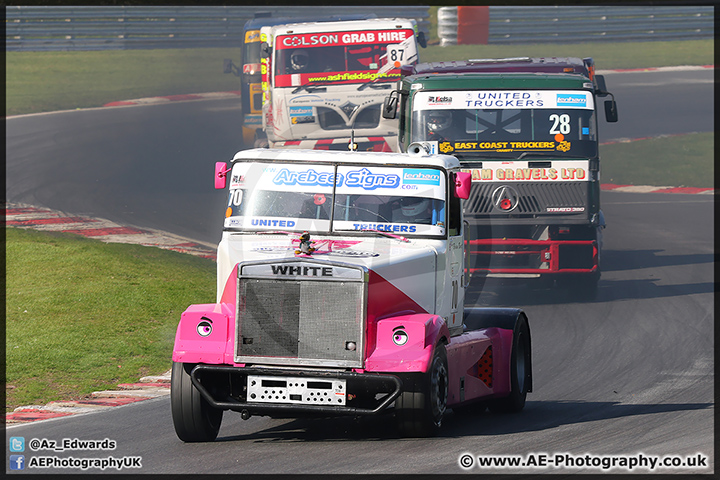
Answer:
(455, 274)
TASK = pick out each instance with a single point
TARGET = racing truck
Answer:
(324, 81)
(341, 280)
(249, 71)
(526, 129)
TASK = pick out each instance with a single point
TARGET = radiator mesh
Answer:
(303, 320)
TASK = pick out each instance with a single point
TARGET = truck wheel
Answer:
(261, 140)
(520, 382)
(194, 419)
(421, 406)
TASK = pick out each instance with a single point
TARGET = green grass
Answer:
(82, 315)
(51, 81)
(678, 161)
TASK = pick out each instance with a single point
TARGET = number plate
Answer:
(300, 390)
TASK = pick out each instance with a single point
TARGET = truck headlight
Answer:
(204, 328)
(400, 337)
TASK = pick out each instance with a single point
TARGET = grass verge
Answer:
(51, 81)
(676, 161)
(82, 315)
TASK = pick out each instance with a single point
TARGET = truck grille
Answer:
(533, 198)
(366, 117)
(300, 322)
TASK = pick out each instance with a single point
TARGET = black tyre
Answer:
(261, 140)
(420, 408)
(194, 419)
(520, 371)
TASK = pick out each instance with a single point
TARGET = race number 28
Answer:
(561, 123)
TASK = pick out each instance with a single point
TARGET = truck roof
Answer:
(342, 157)
(506, 65)
(375, 23)
(475, 81)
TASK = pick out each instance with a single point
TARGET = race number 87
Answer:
(395, 53)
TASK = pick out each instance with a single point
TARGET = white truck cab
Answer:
(323, 80)
(340, 290)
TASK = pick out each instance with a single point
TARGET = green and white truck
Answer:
(526, 128)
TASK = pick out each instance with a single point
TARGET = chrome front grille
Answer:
(300, 322)
(365, 117)
(533, 198)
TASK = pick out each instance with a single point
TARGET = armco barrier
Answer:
(571, 24)
(52, 28)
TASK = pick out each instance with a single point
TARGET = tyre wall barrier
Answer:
(56, 28)
(572, 24)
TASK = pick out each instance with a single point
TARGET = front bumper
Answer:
(534, 257)
(225, 387)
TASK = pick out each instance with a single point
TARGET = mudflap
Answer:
(506, 318)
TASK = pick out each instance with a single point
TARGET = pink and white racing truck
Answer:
(341, 278)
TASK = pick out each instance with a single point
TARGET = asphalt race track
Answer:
(630, 375)
(151, 165)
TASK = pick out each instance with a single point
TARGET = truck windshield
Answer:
(328, 198)
(342, 57)
(507, 124)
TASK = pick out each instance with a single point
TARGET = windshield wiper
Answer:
(377, 86)
(549, 156)
(381, 232)
(312, 87)
(534, 154)
(276, 232)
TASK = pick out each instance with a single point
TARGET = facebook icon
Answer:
(17, 462)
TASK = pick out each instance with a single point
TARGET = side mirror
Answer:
(227, 65)
(611, 113)
(389, 109)
(221, 171)
(600, 87)
(422, 41)
(264, 50)
(463, 183)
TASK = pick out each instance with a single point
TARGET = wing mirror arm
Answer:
(230, 67)
(389, 109)
(221, 171)
(611, 113)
